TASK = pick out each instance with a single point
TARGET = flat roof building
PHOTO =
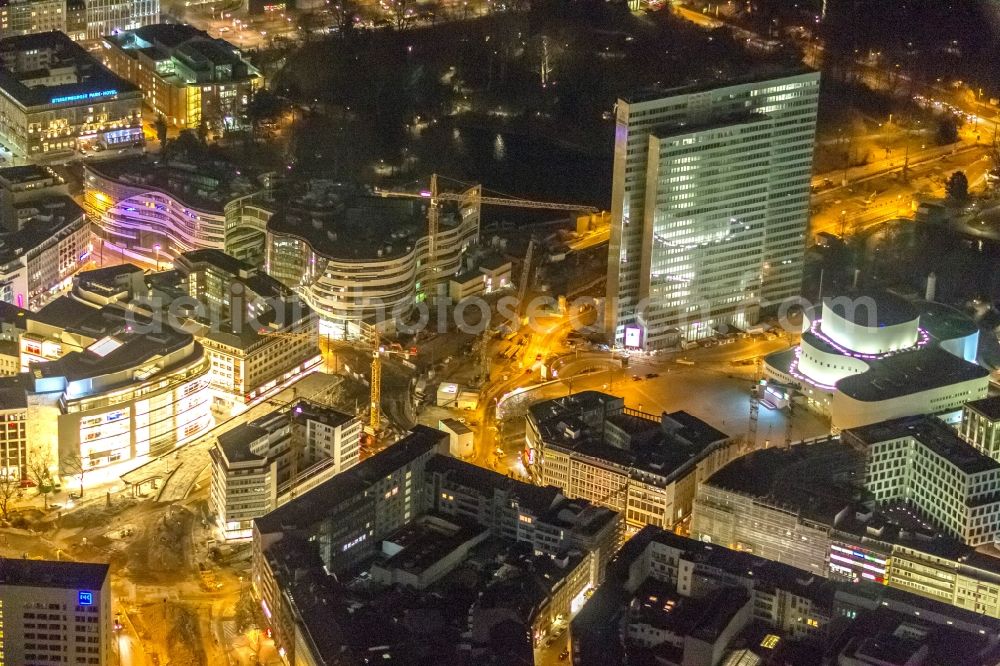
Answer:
(924, 463)
(185, 75)
(153, 211)
(361, 259)
(593, 447)
(44, 236)
(258, 466)
(412, 516)
(56, 99)
(809, 506)
(55, 612)
(707, 221)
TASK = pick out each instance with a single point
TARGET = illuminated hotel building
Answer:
(869, 357)
(153, 212)
(55, 613)
(56, 98)
(359, 258)
(186, 76)
(709, 206)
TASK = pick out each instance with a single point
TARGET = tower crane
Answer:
(377, 351)
(435, 197)
(474, 195)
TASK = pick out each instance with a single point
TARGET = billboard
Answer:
(856, 563)
(633, 337)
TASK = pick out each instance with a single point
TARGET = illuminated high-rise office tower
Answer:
(709, 204)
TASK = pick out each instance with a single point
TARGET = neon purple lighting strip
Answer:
(922, 339)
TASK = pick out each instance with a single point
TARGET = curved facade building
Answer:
(127, 396)
(360, 258)
(154, 212)
(870, 357)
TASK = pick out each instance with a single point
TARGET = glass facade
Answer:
(710, 202)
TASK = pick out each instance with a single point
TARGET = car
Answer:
(549, 641)
(538, 357)
(636, 378)
(652, 375)
(564, 655)
(74, 496)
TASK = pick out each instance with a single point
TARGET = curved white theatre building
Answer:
(356, 257)
(869, 357)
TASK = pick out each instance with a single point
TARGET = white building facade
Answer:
(710, 202)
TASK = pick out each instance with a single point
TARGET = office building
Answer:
(44, 240)
(593, 447)
(980, 425)
(185, 75)
(671, 600)
(363, 259)
(414, 518)
(55, 613)
(56, 99)
(710, 202)
(256, 333)
(807, 506)
(258, 466)
(152, 212)
(13, 428)
(109, 17)
(923, 463)
(27, 17)
(871, 356)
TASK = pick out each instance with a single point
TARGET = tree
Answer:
(402, 12)
(947, 130)
(161, 131)
(10, 486)
(203, 132)
(39, 471)
(74, 466)
(343, 16)
(957, 186)
(246, 614)
(262, 107)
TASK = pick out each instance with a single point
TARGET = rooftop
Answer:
(987, 407)
(931, 433)
(43, 219)
(907, 373)
(944, 322)
(46, 573)
(310, 507)
(93, 80)
(872, 308)
(761, 73)
(537, 498)
(20, 175)
(126, 351)
(348, 223)
(655, 449)
(207, 185)
(818, 480)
